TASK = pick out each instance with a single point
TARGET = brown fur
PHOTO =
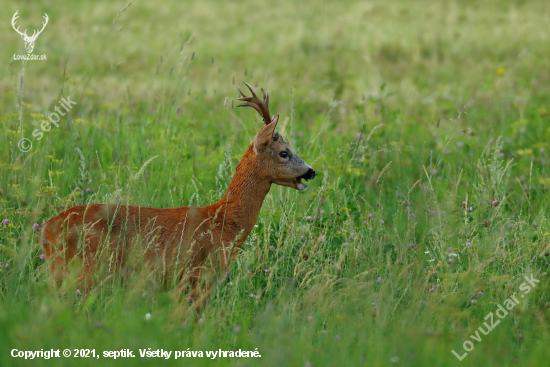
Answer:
(180, 238)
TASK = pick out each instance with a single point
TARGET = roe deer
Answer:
(178, 239)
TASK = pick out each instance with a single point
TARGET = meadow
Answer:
(428, 124)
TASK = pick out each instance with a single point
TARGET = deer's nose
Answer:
(309, 175)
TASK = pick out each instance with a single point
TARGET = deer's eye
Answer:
(283, 155)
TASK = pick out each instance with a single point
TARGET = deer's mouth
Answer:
(309, 175)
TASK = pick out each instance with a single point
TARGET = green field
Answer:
(406, 110)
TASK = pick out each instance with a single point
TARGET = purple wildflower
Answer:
(43, 256)
(35, 227)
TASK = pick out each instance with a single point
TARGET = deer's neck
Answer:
(246, 193)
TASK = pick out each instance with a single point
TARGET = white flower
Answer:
(147, 316)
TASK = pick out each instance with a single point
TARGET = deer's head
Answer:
(279, 163)
(29, 40)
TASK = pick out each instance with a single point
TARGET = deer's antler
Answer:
(24, 34)
(34, 34)
(261, 106)
(15, 16)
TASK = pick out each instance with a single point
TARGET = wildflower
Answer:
(309, 318)
(379, 280)
(479, 294)
(249, 331)
(451, 261)
(464, 204)
(459, 144)
(272, 247)
(369, 217)
(35, 227)
(237, 328)
(434, 171)
(78, 292)
(432, 289)
(322, 212)
(43, 257)
(6, 221)
(474, 301)
(364, 222)
(7, 266)
(190, 299)
(381, 222)
(344, 244)
(143, 295)
(266, 270)
(88, 190)
(412, 245)
(302, 237)
(308, 218)
(147, 316)
(495, 203)
(501, 71)
(468, 243)
(321, 238)
(377, 204)
(546, 263)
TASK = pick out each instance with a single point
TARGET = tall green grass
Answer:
(405, 109)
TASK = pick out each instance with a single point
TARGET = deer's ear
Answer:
(265, 135)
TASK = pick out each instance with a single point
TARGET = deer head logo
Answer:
(29, 40)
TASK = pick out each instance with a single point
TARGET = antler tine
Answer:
(255, 102)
